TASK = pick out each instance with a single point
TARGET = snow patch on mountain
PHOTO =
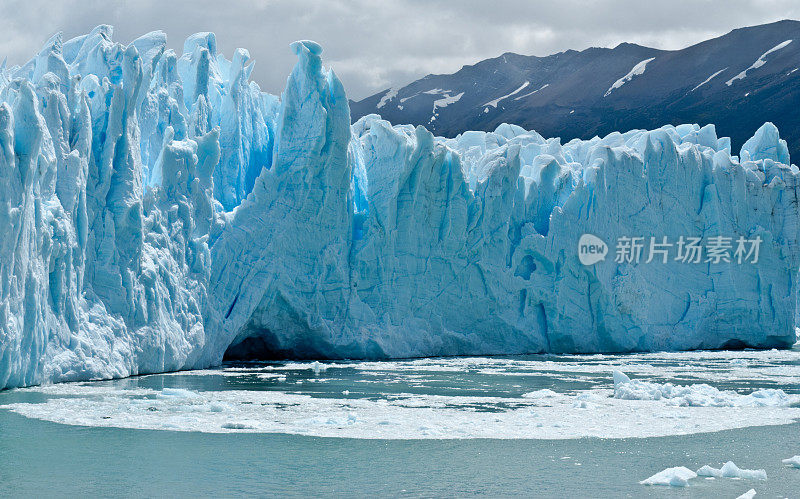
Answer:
(531, 93)
(709, 79)
(446, 101)
(494, 102)
(759, 62)
(388, 96)
(637, 70)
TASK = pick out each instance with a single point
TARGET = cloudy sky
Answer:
(374, 44)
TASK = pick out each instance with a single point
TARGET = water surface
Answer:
(415, 427)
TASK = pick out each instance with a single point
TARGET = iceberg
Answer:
(699, 395)
(678, 476)
(793, 461)
(730, 470)
(750, 494)
(161, 212)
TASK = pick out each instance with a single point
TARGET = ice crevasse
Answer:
(158, 210)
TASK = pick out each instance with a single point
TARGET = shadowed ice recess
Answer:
(158, 210)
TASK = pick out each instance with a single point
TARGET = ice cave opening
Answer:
(260, 345)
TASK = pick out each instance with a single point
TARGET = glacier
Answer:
(160, 211)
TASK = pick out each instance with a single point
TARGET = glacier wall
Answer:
(160, 211)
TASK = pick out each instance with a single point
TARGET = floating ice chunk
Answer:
(540, 394)
(708, 471)
(620, 378)
(178, 393)
(730, 470)
(672, 477)
(217, 407)
(750, 494)
(588, 400)
(793, 461)
(699, 395)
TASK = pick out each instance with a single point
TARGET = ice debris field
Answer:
(677, 393)
(158, 210)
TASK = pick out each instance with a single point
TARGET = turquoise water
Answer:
(104, 450)
(46, 459)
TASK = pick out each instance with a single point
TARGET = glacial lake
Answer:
(544, 425)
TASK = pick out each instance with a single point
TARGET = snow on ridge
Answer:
(759, 62)
(446, 101)
(531, 93)
(389, 95)
(496, 101)
(636, 71)
(433, 91)
(709, 79)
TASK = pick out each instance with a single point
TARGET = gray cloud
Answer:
(373, 44)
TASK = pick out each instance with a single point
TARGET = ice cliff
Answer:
(158, 210)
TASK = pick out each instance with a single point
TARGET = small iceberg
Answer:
(698, 395)
(730, 470)
(672, 477)
(750, 494)
(793, 461)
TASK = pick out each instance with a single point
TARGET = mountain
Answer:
(737, 81)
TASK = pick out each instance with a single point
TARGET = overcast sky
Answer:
(374, 44)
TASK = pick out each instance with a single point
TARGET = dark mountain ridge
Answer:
(736, 81)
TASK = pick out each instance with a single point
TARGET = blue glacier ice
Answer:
(158, 210)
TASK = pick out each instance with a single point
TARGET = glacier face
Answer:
(160, 210)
